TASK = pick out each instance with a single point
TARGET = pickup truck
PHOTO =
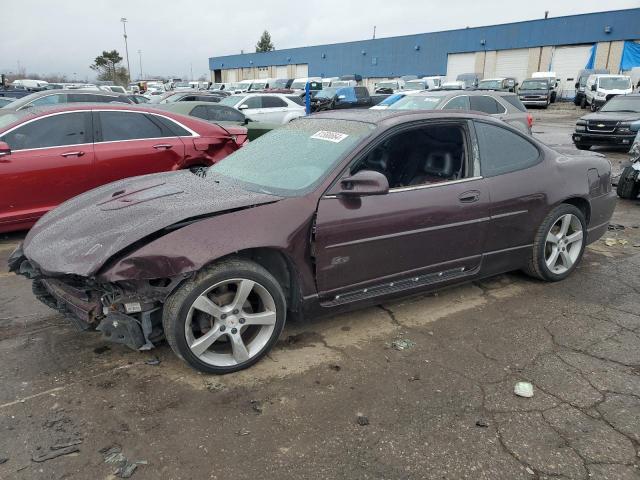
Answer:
(334, 98)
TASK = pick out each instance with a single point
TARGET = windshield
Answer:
(451, 86)
(614, 83)
(622, 104)
(391, 99)
(341, 83)
(299, 85)
(326, 93)
(417, 102)
(416, 85)
(258, 85)
(490, 84)
(392, 85)
(232, 100)
(534, 85)
(293, 159)
(281, 83)
(182, 84)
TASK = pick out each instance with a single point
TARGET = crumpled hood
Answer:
(612, 116)
(80, 235)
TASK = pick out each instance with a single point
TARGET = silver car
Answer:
(503, 105)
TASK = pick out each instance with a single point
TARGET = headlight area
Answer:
(581, 126)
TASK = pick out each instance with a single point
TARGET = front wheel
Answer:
(628, 184)
(558, 245)
(226, 318)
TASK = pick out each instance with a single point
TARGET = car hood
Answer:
(524, 91)
(611, 116)
(83, 233)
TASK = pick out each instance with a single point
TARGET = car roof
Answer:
(446, 93)
(390, 117)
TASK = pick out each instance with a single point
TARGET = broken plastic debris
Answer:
(523, 389)
(55, 453)
(402, 344)
(610, 242)
(362, 420)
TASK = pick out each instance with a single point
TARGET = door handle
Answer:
(469, 197)
(163, 146)
(72, 154)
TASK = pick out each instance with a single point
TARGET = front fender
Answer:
(284, 226)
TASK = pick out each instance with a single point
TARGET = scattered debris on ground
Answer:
(113, 455)
(153, 361)
(481, 423)
(402, 344)
(335, 368)
(616, 226)
(612, 242)
(51, 454)
(243, 432)
(3, 460)
(362, 420)
(523, 389)
(256, 405)
(414, 378)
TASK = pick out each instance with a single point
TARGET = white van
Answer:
(328, 82)
(300, 84)
(30, 84)
(424, 83)
(553, 82)
(600, 88)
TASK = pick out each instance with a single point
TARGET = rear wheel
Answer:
(583, 103)
(628, 184)
(227, 318)
(558, 245)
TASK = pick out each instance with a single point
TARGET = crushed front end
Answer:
(129, 313)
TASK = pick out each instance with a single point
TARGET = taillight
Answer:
(529, 120)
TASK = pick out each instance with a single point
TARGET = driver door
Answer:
(418, 234)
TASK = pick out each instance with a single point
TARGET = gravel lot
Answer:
(335, 400)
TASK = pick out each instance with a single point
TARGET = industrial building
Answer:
(560, 44)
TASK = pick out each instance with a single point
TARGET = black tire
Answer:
(576, 101)
(593, 107)
(553, 97)
(628, 184)
(583, 103)
(178, 304)
(537, 266)
(582, 146)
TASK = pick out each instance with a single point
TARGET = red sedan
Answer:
(50, 155)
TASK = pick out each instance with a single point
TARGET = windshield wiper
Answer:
(620, 111)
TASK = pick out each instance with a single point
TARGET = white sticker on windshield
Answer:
(334, 137)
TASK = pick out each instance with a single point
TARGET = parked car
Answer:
(553, 82)
(390, 86)
(629, 182)
(328, 81)
(243, 86)
(338, 211)
(581, 82)
(6, 101)
(347, 81)
(266, 107)
(182, 86)
(536, 92)
(300, 84)
(502, 105)
(261, 84)
(334, 98)
(469, 80)
(424, 83)
(281, 83)
(221, 115)
(192, 96)
(601, 88)
(139, 99)
(114, 88)
(500, 84)
(59, 97)
(13, 92)
(611, 125)
(51, 154)
(391, 99)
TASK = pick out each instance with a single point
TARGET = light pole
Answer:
(126, 47)
(140, 55)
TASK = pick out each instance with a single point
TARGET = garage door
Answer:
(230, 75)
(458, 63)
(302, 70)
(567, 62)
(281, 71)
(512, 63)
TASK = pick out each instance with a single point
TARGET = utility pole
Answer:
(191, 65)
(126, 47)
(374, 32)
(140, 55)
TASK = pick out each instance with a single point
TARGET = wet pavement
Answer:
(335, 400)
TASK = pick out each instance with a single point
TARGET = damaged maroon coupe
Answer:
(329, 213)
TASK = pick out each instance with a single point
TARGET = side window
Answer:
(486, 104)
(502, 151)
(252, 102)
(224, 114)
(460, 102)
(200, 111)
(172, 129)
(296, 99)
(53, 131)
(82, 98)
(273, 102)
(188, 98)
(361, 92)
(129, 126)
(48, 100)
(420, 156)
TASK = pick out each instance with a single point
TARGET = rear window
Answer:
(515, 101)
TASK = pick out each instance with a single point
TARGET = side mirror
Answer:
(594, 87)
(577, 85)
(4, 149)
(362, 183)
(341, 97)
(634, 127)
(247, 120)
(243, 107)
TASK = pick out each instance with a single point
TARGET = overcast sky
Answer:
(65, 36)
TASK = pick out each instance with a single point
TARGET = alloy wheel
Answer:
(230, 322)
(563, 244)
